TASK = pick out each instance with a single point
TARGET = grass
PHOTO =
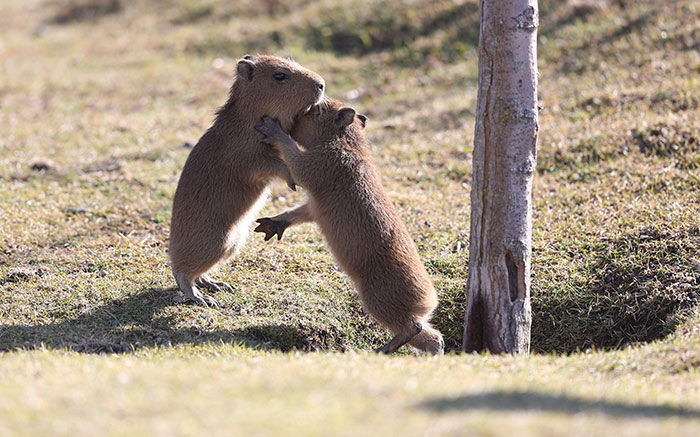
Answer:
(97, 102)
(233, 390)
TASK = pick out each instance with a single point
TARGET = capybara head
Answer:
(277, 87)
(327, 121)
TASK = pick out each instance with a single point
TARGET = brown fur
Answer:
(359, 222)
(224, 180)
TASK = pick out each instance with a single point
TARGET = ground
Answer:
(100, 102)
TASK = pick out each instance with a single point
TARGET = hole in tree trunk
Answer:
(512, 276)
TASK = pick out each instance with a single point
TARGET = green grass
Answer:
(238, 391)
(98, 98)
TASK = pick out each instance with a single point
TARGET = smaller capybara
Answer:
(360, 224)
(225, 178)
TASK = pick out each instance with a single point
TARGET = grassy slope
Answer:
(110, 100)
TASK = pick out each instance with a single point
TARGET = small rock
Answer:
(107, 166)
(20, 275)
(40, 30)
(120, 348)
(696, 264)
(459, 246)
(74, 210)
(42, 165)
(353, 95)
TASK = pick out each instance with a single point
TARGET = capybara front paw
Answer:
(271, 227)
(274, 135)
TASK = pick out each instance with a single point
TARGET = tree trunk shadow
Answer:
(527, 401)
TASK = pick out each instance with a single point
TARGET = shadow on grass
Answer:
(86, 11)
(124, 325)
(633, 289)
(526, 401)
(393, 28)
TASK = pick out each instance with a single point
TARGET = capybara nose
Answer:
(320, 86)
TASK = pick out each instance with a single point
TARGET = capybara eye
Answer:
(280, 76)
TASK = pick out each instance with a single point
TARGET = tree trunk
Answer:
(498, 314)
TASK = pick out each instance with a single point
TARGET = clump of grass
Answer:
(680, 143)
(628, 290)
(76, 11)
(362, 28)
(584, 152)
(449, 316)
(621, 291)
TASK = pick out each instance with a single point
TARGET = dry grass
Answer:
(98, 99)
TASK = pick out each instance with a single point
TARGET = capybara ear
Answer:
(245, 69)
(363, 120)
(345, 117)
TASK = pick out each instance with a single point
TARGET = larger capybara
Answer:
(224, 181)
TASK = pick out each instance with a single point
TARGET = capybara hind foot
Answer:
(429, 340)
(206, 282)
(401, 338)
(271, 227)
(198, 298)
(189, 289)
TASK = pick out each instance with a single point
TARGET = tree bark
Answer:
(498, 316)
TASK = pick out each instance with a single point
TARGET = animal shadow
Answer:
(135, 321)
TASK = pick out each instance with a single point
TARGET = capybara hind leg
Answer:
(189, 289)
(429, 340)
(401, 338)
(206, 282)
